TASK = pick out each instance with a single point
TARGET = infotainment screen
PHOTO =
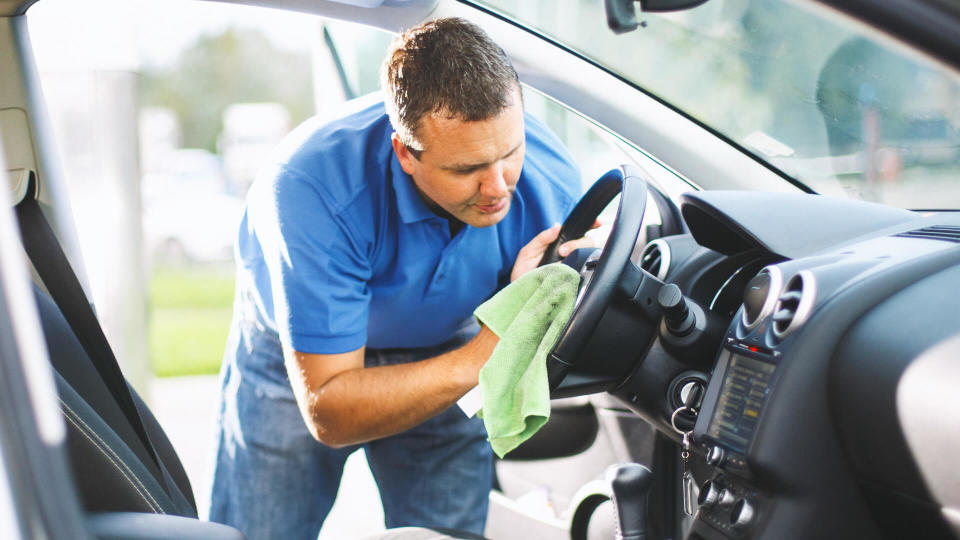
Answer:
(746, 384)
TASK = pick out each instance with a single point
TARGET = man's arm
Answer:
(344, 403)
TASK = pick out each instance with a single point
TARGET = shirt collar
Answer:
(409, 203)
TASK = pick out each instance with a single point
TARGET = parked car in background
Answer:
(189, 213)
(251, 131)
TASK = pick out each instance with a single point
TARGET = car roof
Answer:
(931, 26)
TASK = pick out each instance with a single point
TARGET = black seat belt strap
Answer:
(58, 276)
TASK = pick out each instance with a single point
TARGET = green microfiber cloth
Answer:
(528, 316)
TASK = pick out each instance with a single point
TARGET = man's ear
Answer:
(406, 159)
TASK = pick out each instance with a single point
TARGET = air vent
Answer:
(947, 233)
(794, 305)
(655, 258)
(760, 296)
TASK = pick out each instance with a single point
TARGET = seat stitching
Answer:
(114, 459)
(112, 462)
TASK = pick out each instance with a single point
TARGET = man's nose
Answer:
(492, 183)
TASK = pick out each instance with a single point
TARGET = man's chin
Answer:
(482, 219)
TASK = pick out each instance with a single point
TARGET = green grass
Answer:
(191, 287)
(190, 312)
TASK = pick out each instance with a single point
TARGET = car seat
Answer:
(128, 478)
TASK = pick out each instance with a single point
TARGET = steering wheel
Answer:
(611, 267)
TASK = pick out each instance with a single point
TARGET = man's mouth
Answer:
(493, 207)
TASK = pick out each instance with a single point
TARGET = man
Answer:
(361, 257)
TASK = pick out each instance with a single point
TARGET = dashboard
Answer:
(830, 403)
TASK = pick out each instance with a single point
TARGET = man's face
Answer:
(468, 169)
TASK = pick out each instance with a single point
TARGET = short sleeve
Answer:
(317, 266)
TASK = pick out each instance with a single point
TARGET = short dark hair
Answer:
(444, 65)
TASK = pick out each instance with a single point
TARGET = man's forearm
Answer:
(362, 404)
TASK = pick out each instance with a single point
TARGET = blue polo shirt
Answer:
(337, 250)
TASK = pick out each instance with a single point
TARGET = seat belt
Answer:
(57, 275)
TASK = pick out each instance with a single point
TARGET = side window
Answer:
(356, 52)
(597, 151)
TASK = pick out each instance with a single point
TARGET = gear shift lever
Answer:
(630, 483)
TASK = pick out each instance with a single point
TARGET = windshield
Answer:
(816, 96)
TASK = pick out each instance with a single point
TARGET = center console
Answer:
(726, 425)
(740, 387)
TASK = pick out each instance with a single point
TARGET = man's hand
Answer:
(530, 255)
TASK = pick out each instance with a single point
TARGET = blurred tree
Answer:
(238, 65)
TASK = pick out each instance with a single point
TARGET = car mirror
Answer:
(622, 15)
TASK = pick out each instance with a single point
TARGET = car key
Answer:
(689, 485)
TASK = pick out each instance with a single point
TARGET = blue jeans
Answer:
(272, 479)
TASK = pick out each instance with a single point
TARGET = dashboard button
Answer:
(709, 494)
(726, 498)
(742, 514)
(715, 456)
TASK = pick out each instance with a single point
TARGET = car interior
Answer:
(769, 362)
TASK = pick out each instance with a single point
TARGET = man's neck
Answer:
(455, 224)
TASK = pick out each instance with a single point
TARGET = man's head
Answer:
(454, 101)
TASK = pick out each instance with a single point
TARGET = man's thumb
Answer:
(549, 235)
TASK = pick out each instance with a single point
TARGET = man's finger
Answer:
(567, 247)
(545, 237)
